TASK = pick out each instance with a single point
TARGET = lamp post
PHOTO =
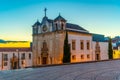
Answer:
(18, 58)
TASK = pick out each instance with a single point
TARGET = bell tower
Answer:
(59, 23)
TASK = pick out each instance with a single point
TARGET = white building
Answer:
(14, 58)
(48, 42)
(100, 47)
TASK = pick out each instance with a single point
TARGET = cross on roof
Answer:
(45, 11)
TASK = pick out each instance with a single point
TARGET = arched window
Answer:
(56, 26)
(62, 25)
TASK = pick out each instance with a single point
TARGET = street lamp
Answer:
(18, 58)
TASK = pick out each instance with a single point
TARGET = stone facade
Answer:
(50, 46)
(48, 42)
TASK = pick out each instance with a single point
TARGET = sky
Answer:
(97, 16)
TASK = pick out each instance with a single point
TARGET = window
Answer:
(22, 62)
(56, 26)
(73, 45)
(5, 57)
(62, 25)
(29, 55)
(88, 56)
(23, 56)
(5, 63)
(88, 45)
(82, 56)
(81, 45)
(73, 57)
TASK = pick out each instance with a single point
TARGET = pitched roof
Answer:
(75, 27)
(37, 23)
(15, 49)
(50, 20)
(59, 18)
(98, 37)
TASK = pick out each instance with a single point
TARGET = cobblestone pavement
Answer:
(107, 70)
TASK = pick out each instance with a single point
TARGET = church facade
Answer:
(48, 42)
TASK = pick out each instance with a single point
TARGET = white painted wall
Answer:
(28, 62)
(103, 49)
(78, 52)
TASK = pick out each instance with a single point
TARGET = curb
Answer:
(52, 65)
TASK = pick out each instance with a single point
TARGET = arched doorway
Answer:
(44, 60)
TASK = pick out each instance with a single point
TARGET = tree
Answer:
(110, 50)
(66, 54)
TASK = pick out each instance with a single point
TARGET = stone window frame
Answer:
(88, 45)
(81, 44)
(23, 56)
(22, 62)
(30, 56)
(62, 26)
(73, 57)
(82, 56)
(56, 26)
(73, 44)
(88, 56)
(5, 57)
(5, 63)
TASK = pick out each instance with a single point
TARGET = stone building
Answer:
(48, 41)
(15, 58)
(100, 47)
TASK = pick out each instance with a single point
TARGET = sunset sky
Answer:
(97, 16)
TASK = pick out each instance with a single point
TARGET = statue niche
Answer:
(44, 53)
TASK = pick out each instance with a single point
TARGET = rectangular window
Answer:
(29, 55)
(73, 57)
(81, 44)
(82, 56)
(23, 56)
(5, 63)
(88, 56)
(73, 45)
(88, 45)
(22, 62)
(5, 57)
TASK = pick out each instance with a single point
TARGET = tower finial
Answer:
(59, 13)
(37, 20)
(45, 11)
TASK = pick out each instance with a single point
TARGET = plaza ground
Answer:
(106, 70)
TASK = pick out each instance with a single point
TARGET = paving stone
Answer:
(107, 70)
